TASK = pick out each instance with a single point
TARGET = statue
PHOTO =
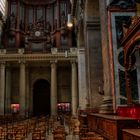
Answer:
(48, 26)
(21, 25)
(55, 24)
(63, 19)
(40, 22)
(12, 20)
(75, 125)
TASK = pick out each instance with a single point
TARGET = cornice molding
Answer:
(38, 57)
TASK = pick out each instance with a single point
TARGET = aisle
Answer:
(50, 137)
(68, 137)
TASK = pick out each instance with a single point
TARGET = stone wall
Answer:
(37, 73)
(64, 84)
(15, 85)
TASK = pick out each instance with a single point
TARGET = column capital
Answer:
(73, 61)
(53, 63)
(22, 61)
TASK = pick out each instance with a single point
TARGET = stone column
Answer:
(8, 92)
(53, 88)
(74, 89)
(2, 87)
(83, 96)
(92, 36)
(28, 95)
(105, 49)
(22, 88)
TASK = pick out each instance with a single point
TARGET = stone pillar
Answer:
(2, 87)
(53, 88)
(8, 92)
(83, 96)
(92, 38)
(105, 49)
(28, 95)
(74, 89)
(22, 88)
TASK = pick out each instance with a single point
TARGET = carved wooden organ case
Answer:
(37, 24)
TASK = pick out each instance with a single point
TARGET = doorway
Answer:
(41, 98)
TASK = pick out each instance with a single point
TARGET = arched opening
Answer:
(41, 98)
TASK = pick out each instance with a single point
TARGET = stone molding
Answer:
(39, 57)
(93, 23)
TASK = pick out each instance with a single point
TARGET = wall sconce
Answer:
(69, 22)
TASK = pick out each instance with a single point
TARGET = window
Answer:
(3, 6)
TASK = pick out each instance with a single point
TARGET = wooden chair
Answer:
(36, 136)
(59, 137)
(92, 138)
(3, 133)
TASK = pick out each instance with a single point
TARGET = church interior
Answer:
(69, 70)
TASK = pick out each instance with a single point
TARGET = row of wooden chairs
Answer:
(59, 133)
(10, 119)
(39, 131)
(21, 129)
(17, 131)
(92, 138)
(87, 134)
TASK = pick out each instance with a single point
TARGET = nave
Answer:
(45, 128)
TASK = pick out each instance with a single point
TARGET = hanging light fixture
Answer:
(69, 22)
